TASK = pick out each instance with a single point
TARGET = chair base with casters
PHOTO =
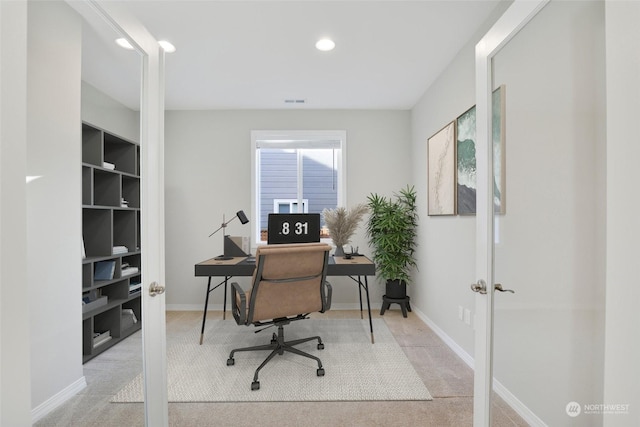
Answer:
(279, 346)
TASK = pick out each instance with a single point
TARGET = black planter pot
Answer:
(396, 293)
(396, 289)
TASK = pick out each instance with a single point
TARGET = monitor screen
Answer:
(293, 228)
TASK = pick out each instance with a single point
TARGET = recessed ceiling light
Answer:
(168, 47)
(325, 45)
(122, 42)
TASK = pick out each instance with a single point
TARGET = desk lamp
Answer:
(243, 219)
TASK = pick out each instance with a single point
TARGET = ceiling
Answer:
(257, 54)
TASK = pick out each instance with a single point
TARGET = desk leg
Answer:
(204, 314)
(366, 289)
(360, 295)
(224, 303)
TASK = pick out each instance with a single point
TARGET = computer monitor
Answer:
(293, 228)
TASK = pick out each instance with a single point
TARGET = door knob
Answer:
(498, 287)
(480, 287)
(155, 289)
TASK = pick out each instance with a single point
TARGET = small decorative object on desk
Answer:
(342, 223)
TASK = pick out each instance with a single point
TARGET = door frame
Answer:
(505, 28)
(152, 205)
(15, 342)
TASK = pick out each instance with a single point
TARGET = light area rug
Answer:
(355, 369)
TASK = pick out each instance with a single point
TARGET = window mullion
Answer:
(299, 181)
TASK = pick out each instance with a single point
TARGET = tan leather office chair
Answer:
(287, 285)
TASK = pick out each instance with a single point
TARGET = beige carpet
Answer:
(355, 369)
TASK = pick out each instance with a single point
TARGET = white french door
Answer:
(541, 348)
(511, 22)
(152, 208)
(153, 274)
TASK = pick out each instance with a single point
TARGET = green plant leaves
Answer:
(392, 233)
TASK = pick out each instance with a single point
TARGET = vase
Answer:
(339, 251)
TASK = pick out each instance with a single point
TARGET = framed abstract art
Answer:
(441, 161)
(466, 162)
(466, 157)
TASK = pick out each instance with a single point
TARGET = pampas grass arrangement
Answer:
(342, 223)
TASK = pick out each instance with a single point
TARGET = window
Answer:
(289, 206)
(296, 171)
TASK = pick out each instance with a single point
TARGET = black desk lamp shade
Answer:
(242, 217)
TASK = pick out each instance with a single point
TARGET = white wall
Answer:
(446, 244)
(622, 350)
(551, 248)
(15, 391)
(105, 112)
(53, 201)
(208, 173)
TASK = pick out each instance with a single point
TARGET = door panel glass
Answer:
(116, 109)
(549, 240)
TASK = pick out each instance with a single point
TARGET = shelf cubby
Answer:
(87, 337)
(107, 188)
(87, 185)
(124, 229)
(116, 291)
(138, 230)
(108, 321)
(87, 275)
(121, 153)
(131, 191)
(97, 230)
(132, 260)
(135, 305)
(91, 145)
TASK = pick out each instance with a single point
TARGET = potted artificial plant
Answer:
(392, 236)
(342, 223)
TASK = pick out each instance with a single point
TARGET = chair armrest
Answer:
(328, 292)
(239, 311)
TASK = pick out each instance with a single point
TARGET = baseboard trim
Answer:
(58, 399)
(459, 351)
(515, 403)
(511, 400)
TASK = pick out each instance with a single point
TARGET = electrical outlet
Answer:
(460, 312)
(467, 316)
